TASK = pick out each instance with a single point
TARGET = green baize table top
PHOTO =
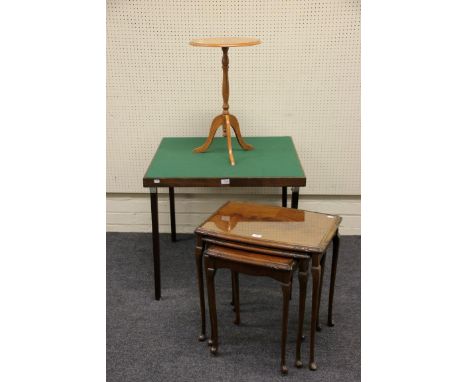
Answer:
(271, 157)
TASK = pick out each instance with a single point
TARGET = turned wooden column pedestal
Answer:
(225, 120)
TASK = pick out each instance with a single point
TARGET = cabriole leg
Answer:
(316, 271)
(303, 275)
(322, 265)
(235, 276)
(201, 290)
(284, 332)
(210, 273)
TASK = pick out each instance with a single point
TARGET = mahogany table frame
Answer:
(317, 260)
(217, 257)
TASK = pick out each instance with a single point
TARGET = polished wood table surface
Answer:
(225, 42)
(273, 163)
(276, 231)
(225, 119)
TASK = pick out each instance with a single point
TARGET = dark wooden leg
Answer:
(295, 197)
(172, 213)
(303, 275)
(284, 197)
(284, 333)
(210, 272)
(201, 290)
(155, 227)
(235, 276)
(316, 270)
(232, 290)
(290, 291)
(336, 250)
(322, 266)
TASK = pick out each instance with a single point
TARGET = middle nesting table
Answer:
(302, 235)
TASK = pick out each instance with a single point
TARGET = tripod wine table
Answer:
(226, 120)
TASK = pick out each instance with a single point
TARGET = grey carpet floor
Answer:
(150, 340)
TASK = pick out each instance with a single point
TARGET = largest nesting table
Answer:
(273, 163)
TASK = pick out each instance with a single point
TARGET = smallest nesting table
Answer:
(275, 231)
(278, 268)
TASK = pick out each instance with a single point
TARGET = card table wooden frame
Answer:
(273, 163)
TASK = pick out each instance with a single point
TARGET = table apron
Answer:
(258, 249)
(226, 182)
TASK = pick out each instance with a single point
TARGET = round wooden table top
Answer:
(224, 42)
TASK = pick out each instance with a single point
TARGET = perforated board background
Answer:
(303, 81)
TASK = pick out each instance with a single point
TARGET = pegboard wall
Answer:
(303, 81)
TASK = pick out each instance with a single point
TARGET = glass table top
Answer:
(272, 226)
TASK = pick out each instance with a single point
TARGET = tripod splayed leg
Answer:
(225, 120)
